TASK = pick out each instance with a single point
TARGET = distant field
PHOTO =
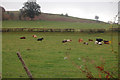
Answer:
(53, 24)
(46, 59)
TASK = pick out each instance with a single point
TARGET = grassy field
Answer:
(0, 54)
(53, 24)
(46, 59)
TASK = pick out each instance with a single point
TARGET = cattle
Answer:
(80, 40)
(99, 41)
(40, 39)
(106, 42)
(66, 40)
(96, 42)
(85, 43)
(90, 40)
(22, 37)
(34, 36)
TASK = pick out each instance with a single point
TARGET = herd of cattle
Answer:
(39, 39)
(98, 41)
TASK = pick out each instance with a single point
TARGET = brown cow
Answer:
(106, 42)
(90, 40)
(80, 40)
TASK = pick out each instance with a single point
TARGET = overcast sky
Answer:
(105, 9)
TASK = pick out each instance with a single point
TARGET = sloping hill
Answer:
(46, 20)
(14, 15)
(58, 17)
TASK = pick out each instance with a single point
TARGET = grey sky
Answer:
(105, 9)
(63, 0)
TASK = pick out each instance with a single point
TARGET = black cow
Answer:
(99, 40)
(22, 37)
(64, 41)
(40, 39)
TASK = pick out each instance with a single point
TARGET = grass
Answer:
(46, 59)
(0, 54)
(53, 24)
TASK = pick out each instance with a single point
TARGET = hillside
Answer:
(46, 20)
(58, 17)
(14, 15)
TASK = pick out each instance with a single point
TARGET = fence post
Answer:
(25, 67)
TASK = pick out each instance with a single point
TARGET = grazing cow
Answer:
(22, 37)
(96, 42)
(80, 40)
(34, 36)
(40, 39)
(85, 43)
(106, 42)
(90, 40)
(99, 41)
(66, 40)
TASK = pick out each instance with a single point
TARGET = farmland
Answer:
(59, 45)
(46, 59)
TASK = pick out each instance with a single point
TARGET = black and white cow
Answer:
(99, 41)
(66, 40)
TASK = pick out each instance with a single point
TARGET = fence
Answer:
(55, 30)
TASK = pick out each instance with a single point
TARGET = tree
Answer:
(30, 9)
(12, 16)
(66, 15)
(96, 17)
(2, 13)
(61, 14)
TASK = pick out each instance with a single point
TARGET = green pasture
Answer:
(0, 54)
(46, 59)
(53, 24)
